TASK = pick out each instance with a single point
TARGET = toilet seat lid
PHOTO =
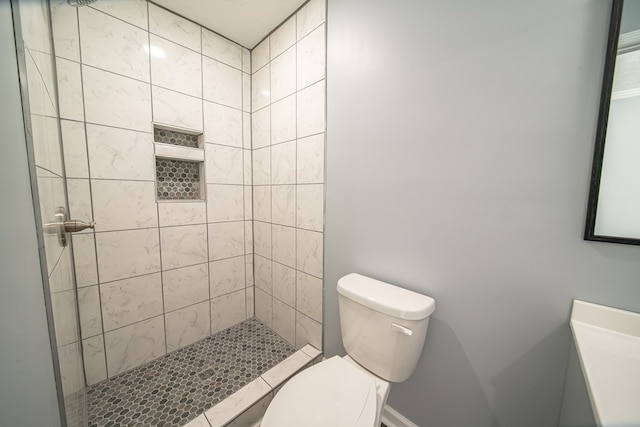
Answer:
(331, 393)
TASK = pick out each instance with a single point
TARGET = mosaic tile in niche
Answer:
(175, 138)
(177, 179)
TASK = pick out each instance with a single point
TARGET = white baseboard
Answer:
(393, 418)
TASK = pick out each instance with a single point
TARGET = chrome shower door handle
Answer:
(61, 226)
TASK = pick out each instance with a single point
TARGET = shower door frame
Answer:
(35, 193)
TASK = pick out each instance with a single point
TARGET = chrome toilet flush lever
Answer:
(61, 225)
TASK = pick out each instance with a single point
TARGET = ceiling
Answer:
(246, 22)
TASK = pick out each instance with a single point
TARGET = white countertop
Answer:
(608, 344)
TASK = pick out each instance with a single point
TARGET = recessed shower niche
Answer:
(179, 163)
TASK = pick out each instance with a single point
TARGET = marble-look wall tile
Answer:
(227, 310)
(249, 270)
(264, 307)
(95, 367)
(174, 28)
(176, 109)
(311, 63)
(41, 101)
(222, 125)
(185, 286)
(222, 84)
(310, 159)
(120, 154)
(70, 90)
(248, 237)
(284, 321)
(309, 296)
(311, 110)
(123, 254)
(283, 120)
(262, 203)
(308, 331)
(246, 131)
(310, 17)
(60, 278)
(134, 345)
(283, 199)
(310, 206)
(187, 325)
(46, 144)
(221, 49)
(283, 245)
(284, 284)
(263, 274)
(70, 362)
(131, 11)
(84, 255)
(90, 313)
(182, 213)
(261, 128)
(248, 203)
(226, 240)
(283, 163)
(226, 276)
(63, 305)
(225, 202)
(260, 89)
(261, 167)
(79, 196)
(260, 55)
(131, 300)
(223, 164)
(283, 38)
(246, 60)
(247, 168)
(75, 149)
(246, 92)
(249, 295)
(283, 75)
(114, 100)
(64, 20)
(309, 248)
(113, 45)
(175, 67)
(123, 205)
(183, 246)
(33, 20)
(262, 239)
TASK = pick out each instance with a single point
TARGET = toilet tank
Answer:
(383, 326)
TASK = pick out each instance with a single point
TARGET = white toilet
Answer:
(383, 331)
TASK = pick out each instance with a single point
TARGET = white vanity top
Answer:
(608, 344)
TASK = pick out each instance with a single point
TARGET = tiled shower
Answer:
(244, 235)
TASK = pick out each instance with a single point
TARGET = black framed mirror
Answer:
(613, 213)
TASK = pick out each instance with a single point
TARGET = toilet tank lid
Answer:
(386, 298)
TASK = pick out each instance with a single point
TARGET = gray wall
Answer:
(27, 387)
(460, 138)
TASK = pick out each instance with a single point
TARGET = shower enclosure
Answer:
(201, 163)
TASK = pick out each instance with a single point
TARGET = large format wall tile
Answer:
(261, 128)
(120, 154)
(95, 368)
(284, 321)
(222, 84)
(123, 254)
(311, 110)
(70, 90)
(183, 246)
(75, 149)
(176, 109)
(283, 75)
(90, 312)
(222, 125)
(225, 202)
(131, 300)
(84, 256)
(134, 345)
(309, 257)
(182, 213)
(309, 296)
(175, 67)
(226, 276)
(283, 38)
(131, 11)
(185, 286)
(187, 325)
(175, 28)
(310, 206)
(221, 49)
(227, 310)
(123, 205)
(113, 45)
(226, 240)
(224, 164)
(284, 284)
(283, 120)
(310, 160)
(65, 30)
(114, 100)
(310, 17)
(311, 58)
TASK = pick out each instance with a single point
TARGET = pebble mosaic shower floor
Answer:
(178, 387)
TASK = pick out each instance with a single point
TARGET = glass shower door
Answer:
(40, 108)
